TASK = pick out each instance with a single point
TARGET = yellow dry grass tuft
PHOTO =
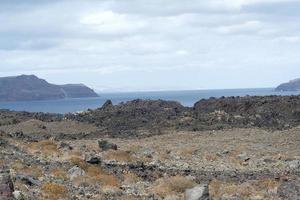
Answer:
(265, 188)
(79, 162)
(172, 185)
(32, 170)
(130, 177)
(187, 151)
(117, 155)
(96, 175)
(44, 147)
(129, 198)
(59, 173)
(54, 191)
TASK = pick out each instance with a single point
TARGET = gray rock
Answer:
(75, 172)
(3, 142)
(289, 191)
(6, 186)
(244, 157)
(65, 146)
(92, 159)
(28, 180)
(199, 192)
(295, 164)
(107, 105)
(105, 145)
(18, 195)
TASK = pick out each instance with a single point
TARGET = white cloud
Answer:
(291, 39)
(112, 23)
(158, 42)
(182, 52)
(246, 27)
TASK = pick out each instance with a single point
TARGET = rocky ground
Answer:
(221, 149)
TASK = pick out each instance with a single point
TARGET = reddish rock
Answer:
(6, 186)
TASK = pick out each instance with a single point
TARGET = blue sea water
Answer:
(186, 98)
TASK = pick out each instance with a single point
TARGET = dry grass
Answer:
(187, 151)
(33, 170)
(211, 157)
(96, 175)
(130, 178)
(45, 147)
(97, 197)
(172, 186)
(59, 173)
(129, 198)
(264, 188)
(54, 191)
(117, 155)
(2, 163)
(79, 162)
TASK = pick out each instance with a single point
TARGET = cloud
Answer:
(158, 42)
(108, 22)
(244, 28)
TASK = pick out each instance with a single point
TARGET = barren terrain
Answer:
(78, 157)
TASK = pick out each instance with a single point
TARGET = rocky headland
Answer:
(293, 85)
(226, 148)
(30, 88)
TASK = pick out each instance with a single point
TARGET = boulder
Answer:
(199, 192)
(105, 145)
(18, 195)
(107, 105)
(3, 142)
(6, 186)
(75, 172)
(28, 180)
(295, 164)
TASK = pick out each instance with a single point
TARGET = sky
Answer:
(143, 45)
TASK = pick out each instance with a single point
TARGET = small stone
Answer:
(199, 192)
(18, 195)
(105, 145)
(94, 160)
(65, 146)
(244, 157)
(3, 142)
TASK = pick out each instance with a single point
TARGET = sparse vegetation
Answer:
(117, 155)
(172, 185)
(265, 188)
(53, 191)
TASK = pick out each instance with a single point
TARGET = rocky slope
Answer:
(235, 148)
(293, 85)
(131, 118)
(30, 87)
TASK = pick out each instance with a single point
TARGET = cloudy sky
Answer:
(114, 45)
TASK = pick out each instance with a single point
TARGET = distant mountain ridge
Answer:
(30, 87)
(293, 85)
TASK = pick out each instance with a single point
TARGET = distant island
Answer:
(30, 88)
(293, 85)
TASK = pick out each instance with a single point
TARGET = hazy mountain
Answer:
(30, 87)
(293, 85)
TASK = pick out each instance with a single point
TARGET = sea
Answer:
(186, 98)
